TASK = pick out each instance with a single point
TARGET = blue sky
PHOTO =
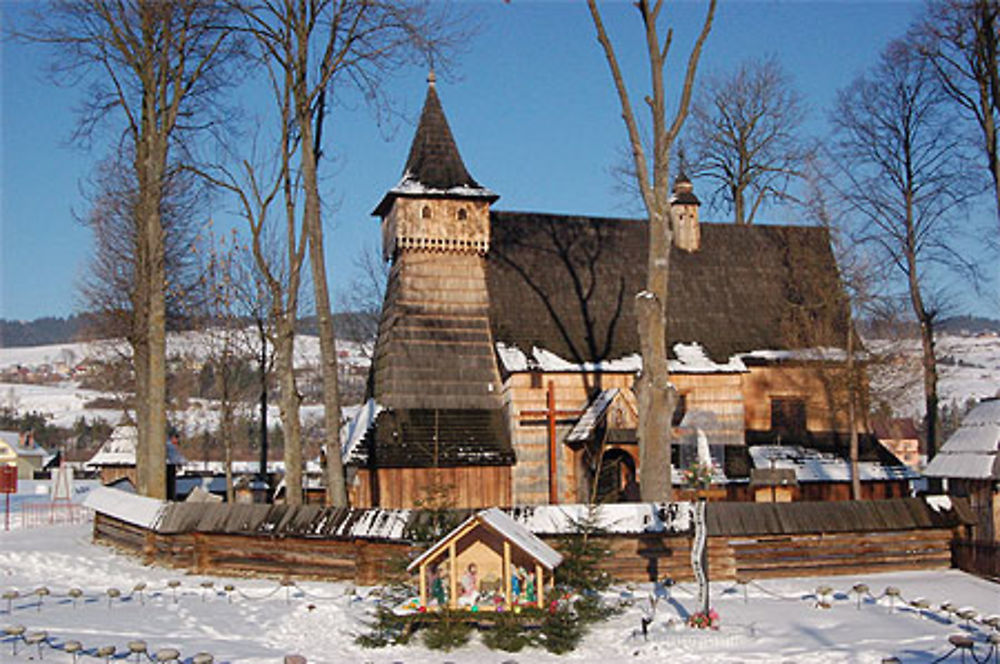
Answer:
(530, 103)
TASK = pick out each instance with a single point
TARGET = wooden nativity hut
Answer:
(507, 349)
(489, 562)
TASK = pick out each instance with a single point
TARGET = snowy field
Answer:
(257, 622)
(969, 368)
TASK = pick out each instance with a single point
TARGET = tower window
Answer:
(426, 212)
(462, 214)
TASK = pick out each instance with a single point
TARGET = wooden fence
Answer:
(796, 551)
(977, 557)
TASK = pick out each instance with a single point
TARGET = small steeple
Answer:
(684, 204)
(434, 166)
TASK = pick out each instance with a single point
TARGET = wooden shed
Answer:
(487, 563)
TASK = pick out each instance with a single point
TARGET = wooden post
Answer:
(540, 585)
(506, 573)
(553, 467)
(452, 576)
(423, 584)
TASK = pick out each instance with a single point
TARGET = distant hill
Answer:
(51, 330)
(42, 331)
(968, 325)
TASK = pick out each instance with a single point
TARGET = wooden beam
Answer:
(506, 573)
(423, 584)
(452, 576)
(540, 585)
(553, 468)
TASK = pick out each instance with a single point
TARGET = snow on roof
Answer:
(814, 466)
(584, 427)
(821, 353)
(353, 431)
(119, 450)
(973, 451)
(127, 507)
(410, 185)
(689, 358)
(376, 523)
(496, 520)
(620, 518)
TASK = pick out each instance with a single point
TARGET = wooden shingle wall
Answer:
(434, 347)
(820, 385)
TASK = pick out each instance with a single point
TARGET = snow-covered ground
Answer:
(255, 622)
(968, 367)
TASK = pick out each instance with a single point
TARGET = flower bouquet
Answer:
(704, 620)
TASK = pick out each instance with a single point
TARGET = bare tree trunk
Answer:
(852, 384)
(656, 396)
(289, 404)
(336, 489)
(157, 394)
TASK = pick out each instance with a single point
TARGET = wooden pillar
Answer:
(506, 573)
(423, 584)
(540, 585)
(553, 467)
(452, 576)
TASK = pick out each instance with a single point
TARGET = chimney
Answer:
(684, 206)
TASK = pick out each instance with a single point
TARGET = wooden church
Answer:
(507, 349)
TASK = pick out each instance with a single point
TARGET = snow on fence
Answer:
(644, 541)
(34, 515)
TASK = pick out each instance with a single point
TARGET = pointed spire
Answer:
(434, 160)
(434, 166)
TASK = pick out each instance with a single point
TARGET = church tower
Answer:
(684, 204)
(434, 373)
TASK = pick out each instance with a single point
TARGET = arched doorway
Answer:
(616, 474)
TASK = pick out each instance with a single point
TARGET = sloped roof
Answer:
(811, 465)
(449, 437)
(13, 440)
(973, 451)
(567, 284)
(505, 526)
(434, 166)
(119, 450)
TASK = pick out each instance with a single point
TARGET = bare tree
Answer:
(960, 40)
(149, 64)
(906, 177)
(656, 396)
(320, 44)
(745, 134)
(229, 343)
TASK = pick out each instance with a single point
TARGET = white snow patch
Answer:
(938, 503)
(353, 431)
(813, 466)
(127, 507)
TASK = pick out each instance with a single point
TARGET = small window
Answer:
(462, 214)
(426, 212)
(680, 410)
(536, 380)
(788, 416)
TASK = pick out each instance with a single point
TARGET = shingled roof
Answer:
(567, 284)
(434, 167)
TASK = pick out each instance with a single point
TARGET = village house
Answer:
(970, 463)
(21, 450)
(507, 352)
(115, 459)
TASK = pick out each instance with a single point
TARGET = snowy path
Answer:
(779, 623)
